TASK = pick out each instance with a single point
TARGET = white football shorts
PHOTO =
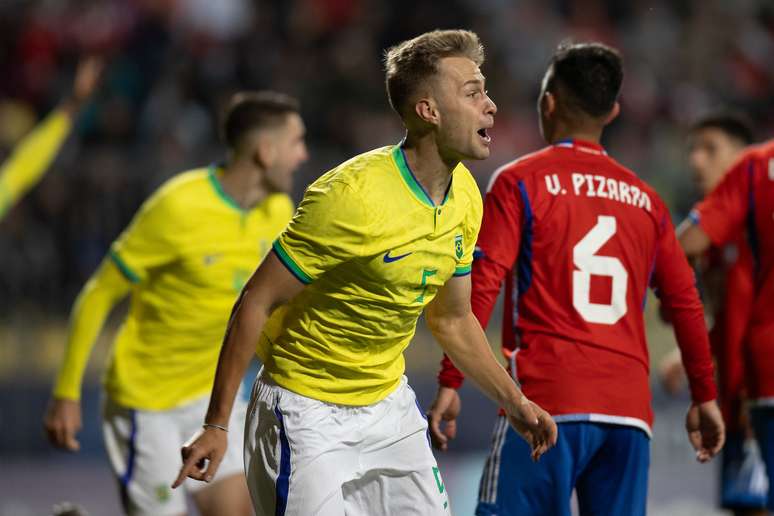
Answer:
(144, 451)
(306, 457)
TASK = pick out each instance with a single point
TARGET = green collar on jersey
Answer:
(213, 177)
(411, 181)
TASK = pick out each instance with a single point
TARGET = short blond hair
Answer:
(410, 63)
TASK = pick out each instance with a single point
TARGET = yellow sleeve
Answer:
(102, 292)
(150, 239)
(465, 244)
(31, 158)
(329, 228)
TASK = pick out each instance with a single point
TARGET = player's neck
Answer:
(428, 166)
(587, 134)
(243, 182)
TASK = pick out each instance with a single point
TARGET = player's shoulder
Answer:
(186, 183)
(182, 189)
(279, 204)
(521, 167)
(359, 172)
(764, 150)
(759, 156)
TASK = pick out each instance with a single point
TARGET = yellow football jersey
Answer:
(188, 251)
(31, 158)
(374, 250)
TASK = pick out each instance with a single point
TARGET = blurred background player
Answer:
(577, 239)
(715, 143)
(182, 260)
(333, 426)
(32, 156)
(743, 204)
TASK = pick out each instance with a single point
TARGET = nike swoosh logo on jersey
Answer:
(390, 259)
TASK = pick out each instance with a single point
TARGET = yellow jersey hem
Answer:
(354, 399)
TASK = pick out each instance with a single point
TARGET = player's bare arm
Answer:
(693, 239)
(270, 286)
(457, 330)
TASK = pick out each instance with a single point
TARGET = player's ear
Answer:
(263, 149)
(427, 111)
(549, 104)
(613, 112)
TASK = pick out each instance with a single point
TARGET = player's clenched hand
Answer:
(62, 421)
(534, 424)
(202, 454)
(444, 412)
(706, 430)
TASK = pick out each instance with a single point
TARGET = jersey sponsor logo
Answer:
(389, 259)
(458, 249)
(595, 185)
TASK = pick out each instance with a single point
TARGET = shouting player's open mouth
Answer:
(482, 133)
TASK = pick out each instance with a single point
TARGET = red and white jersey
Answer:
(577, 238)
(744, 202)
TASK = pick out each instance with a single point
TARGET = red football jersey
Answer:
(577, 238)
(744, 202)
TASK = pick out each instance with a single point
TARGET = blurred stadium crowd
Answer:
(171, 64)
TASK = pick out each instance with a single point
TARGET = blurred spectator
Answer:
(172, 63)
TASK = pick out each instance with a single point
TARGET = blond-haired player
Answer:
(333, 427)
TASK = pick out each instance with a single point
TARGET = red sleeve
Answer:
(721, 215)
(496, 251)
(738, 304)
(676, 285)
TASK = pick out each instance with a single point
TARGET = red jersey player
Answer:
(744, 203)
(577, 238)
(716, 141)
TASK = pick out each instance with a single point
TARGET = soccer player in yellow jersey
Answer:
(183, 260)
(333, 428)
(33, 155)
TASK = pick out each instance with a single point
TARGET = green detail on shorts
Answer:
(458, 249)
(124, 268)
(213, 178)
(290, 264)
(426, 273)
(408, 177)
(239, 279)
(438, 481)
(163, 493)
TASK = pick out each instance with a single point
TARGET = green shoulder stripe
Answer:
(288, 262)
(124, 268)
(463, 271)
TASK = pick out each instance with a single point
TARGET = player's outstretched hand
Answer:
(202, 454)
(62, 421)
(442, 417)
(534, 424)
(706, 430)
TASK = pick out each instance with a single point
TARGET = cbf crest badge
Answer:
(458, 249)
